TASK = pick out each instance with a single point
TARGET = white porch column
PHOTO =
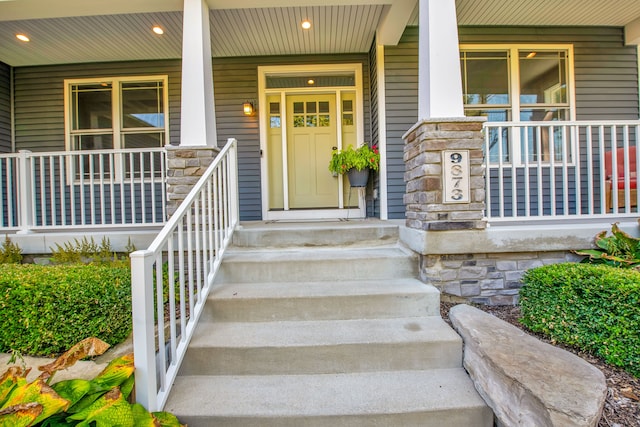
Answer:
(439, 80)
(197, 119)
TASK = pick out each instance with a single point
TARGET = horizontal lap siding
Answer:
(39, 98)
(606, 78)
(401, 80)
(235, 81)
(5, 108)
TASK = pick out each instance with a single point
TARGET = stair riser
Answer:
(322, 308)
(370, 236)
(469, 417)
(317, 270)
(330, 359)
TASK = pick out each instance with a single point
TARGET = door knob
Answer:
(334, 148)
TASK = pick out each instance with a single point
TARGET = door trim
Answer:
(263, 72)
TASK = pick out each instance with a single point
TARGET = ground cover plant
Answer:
(592, 307)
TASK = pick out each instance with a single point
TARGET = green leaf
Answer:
(22, 415)
(116, 373)
(110, 410)
(72, 390)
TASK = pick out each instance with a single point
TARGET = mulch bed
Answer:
(622, 405)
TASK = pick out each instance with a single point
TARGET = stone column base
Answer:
(185, 166)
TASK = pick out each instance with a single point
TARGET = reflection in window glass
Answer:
(298, 107)
(142, 105)
(543, 77)
(347, 105)
(323, 107)
(311, 107)
(298, 121)
(485, 77)
(312, 121)
(274, 115)
(324, 120)
(347, 119)
(91, 106)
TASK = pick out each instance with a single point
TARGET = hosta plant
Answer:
(100, 402)
(617, 250)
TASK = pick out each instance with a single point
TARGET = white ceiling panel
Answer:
(277, 31)
(109, 31)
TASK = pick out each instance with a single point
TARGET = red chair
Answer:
(621, 181)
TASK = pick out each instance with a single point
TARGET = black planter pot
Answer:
(358, 178)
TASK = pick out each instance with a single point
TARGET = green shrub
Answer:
(47, 309)
(10, 253)
(593, 307)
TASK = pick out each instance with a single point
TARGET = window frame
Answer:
(515, 107)
(117, 129)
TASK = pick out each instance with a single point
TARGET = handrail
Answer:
(195, 238)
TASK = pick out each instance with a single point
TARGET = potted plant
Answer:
(356, 163)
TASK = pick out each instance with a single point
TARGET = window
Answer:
(520, 84)
(115, 113)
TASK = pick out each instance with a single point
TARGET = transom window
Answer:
(520, 84)
(114, 113)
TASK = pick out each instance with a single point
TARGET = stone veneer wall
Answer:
(485, 278)
(185, 166)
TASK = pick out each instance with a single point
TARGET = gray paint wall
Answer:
(5, 108)
(606, 78)
(39, 106)
(39, 98)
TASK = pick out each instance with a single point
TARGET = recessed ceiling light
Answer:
(311, 82)
(306, 24)
(158, 29)
(22, 37)
(531, 54)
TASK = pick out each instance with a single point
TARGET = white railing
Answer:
(171, 279)
(96, 188)
(561, 170)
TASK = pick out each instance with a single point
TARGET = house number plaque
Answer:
(455, 166)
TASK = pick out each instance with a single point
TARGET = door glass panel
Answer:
(298, 121)
(323, 107)
(274, 115)
(298, 107)
(312, 121)
(311, 107)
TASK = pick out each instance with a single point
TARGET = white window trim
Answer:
(116, 125)
(514, 82)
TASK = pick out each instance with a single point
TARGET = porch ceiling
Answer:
(72, 31)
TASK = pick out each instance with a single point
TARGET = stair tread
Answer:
(301, 253)
(323, 394)
(232, 291)
(323, 332)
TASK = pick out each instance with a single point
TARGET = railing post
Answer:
(233, 183)
(143, 329)
(25, 192)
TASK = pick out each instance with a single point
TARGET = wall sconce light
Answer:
(248, 109)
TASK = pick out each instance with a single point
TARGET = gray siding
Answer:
(39, 98)
(235, 81)
(5, 108)
(606, 78)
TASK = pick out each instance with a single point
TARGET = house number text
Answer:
(455, 166)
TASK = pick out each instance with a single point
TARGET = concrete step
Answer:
(317, 264)
(328, 346)
(429, 398)
(345, 299)
(316, 234)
